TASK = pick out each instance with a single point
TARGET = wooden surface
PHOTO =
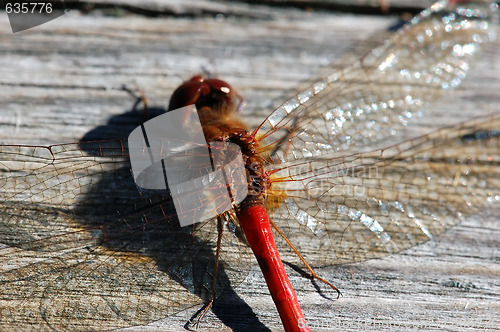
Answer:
(61, 80)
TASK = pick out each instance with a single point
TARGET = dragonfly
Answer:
(84, 248)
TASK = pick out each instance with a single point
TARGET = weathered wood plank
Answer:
(61, 80)
(241, 8)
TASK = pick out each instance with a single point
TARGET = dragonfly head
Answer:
(205, 93)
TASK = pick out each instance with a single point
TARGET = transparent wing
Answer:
(338, 209)
(85, 249)
(383, 91)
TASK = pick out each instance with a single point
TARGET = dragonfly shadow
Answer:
(142, 228)
(120, 126)
(306, 275)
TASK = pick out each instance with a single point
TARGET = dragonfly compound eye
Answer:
(205, 93)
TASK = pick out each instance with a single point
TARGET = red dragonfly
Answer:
(71, 213)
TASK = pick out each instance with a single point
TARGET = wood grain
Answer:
(62, 80)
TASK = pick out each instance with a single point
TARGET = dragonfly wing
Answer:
(371, 204)
(384, 90)
(85, 249)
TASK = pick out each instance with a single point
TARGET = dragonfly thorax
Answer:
(217, 103)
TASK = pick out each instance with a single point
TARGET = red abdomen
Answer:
(255, 224)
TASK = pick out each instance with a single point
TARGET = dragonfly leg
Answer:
(194, 321)
(140, 97)
(198, 316)
(313, 274)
